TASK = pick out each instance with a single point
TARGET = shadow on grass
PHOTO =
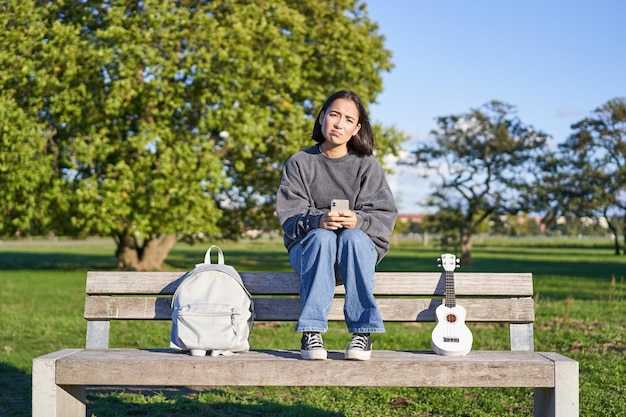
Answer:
(549, 242)
(53, 261)
(483, 263)
(268, 260)
(15, 392)
(184, 402)
(184, 259)
(254, 258)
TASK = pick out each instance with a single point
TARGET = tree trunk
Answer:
(155, 251)
(613, 229)
(127, 253)
(624, 231)
(466, 247)
(132, 256)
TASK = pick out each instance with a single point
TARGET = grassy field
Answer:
(581, 312)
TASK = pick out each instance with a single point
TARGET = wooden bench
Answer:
(60, 378)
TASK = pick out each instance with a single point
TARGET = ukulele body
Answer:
(451, 336)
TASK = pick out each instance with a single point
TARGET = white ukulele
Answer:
(451, 337)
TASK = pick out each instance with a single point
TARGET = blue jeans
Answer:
(351, 254)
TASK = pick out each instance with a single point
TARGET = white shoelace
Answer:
(359, 341)
(313, 341)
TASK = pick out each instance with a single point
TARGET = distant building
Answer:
(411, 218)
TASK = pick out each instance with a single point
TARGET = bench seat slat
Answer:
(288, 309)
(287, 283)
(282, 367)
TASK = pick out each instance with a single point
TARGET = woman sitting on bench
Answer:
(326, 243)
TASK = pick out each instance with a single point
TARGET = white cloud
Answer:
(567, 112)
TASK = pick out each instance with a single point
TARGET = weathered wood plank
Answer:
(288, 309)
(285, 368)
(387, 283)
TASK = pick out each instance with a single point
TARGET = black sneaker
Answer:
(360, 348)
(312, 346)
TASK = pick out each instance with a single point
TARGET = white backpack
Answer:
(211, 310)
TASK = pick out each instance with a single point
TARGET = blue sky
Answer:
(554, 60)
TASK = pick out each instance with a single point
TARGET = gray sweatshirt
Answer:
(311, 180)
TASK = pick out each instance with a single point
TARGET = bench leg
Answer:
(50, 399)
(98, 334)
(562, 400)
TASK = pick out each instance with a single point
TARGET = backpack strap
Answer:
(220, 255)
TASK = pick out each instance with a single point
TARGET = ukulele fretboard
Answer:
(450, 297)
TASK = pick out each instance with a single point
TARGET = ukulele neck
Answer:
(450, 297)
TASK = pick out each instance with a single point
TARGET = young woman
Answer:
(324, 244)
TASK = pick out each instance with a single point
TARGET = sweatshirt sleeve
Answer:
(294, 208)
(376, 209)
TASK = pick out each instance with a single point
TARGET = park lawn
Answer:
(580, 313)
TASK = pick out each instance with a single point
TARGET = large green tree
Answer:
(153, 120)
(28, 153)
(588, 176)
(482, 162)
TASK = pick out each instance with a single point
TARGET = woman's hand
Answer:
(341, 220)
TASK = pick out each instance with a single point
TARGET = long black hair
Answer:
(363, 142)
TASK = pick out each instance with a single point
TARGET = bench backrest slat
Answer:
(518, 310)
(287, 283)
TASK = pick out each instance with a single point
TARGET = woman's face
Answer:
(340, 122)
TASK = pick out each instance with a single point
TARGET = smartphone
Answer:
(337, 206)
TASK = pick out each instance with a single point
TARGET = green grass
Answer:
(580, 313)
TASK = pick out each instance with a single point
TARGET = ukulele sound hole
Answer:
(450, 318)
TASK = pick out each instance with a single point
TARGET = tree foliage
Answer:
(483, 162)
(588, 176)
(27, 151)
(151, 120)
